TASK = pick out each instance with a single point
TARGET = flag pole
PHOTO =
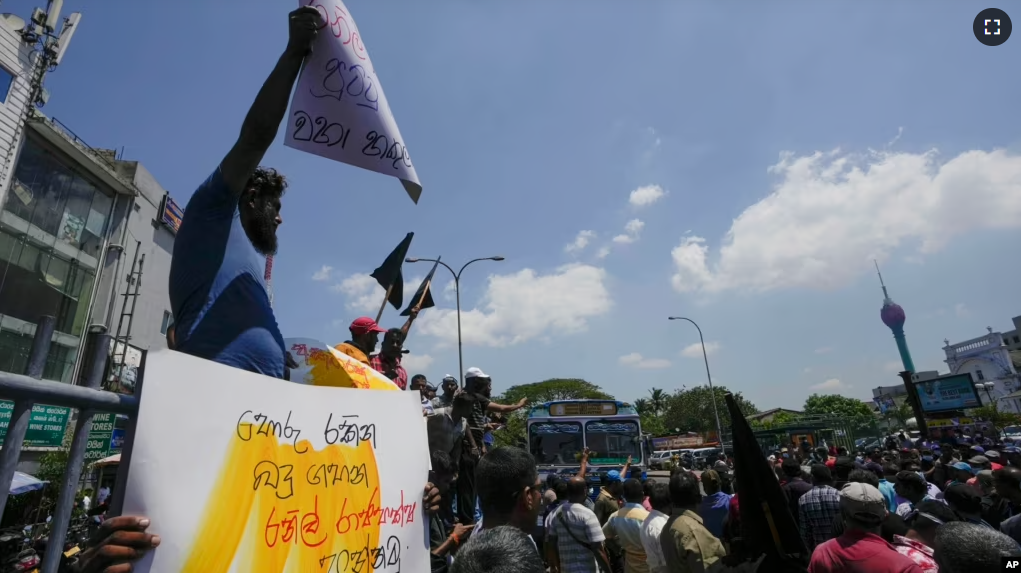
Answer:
(382, 307)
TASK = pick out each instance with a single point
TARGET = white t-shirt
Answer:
(104, 493)
(649, 532)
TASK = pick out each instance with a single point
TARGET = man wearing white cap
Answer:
(479, 386)
(860, 548)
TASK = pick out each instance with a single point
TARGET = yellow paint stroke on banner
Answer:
(284, 507)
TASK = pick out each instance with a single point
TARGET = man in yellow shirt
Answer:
(364, 336)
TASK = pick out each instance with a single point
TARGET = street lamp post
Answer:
(457, 293)
(712, 393)
(988, 388)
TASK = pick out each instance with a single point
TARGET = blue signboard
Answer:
(953, 393)
(172, 214)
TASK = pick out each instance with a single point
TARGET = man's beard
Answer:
(262, 232)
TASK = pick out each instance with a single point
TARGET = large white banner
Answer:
(244, 473)
(339, 110)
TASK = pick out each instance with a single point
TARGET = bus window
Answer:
(613, 442)
(555, 443)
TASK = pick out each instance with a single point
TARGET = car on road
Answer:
(659, 459)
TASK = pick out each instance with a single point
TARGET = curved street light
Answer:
(457, 293)
(712, 393)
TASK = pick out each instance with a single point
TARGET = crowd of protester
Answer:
(953, 506)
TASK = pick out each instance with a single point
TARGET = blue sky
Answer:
(530, 122)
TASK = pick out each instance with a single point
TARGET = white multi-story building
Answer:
(989, 361)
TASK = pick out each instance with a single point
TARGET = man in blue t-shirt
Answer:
(217, 288)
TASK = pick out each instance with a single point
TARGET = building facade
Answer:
(84, 237)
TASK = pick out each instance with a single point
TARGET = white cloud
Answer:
(807, 370)
(323, 274)
(603, 252)
(450, 291)
(830, 386)
(639, 362)
(823, 350)
(631, 231)
(580, 242)
(525, 305)
(646, 195)
(961, 311)
(364, 295)
(694, 350)
(416, 363)
(893, 366)
(832, 213)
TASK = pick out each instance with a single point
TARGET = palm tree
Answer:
(642, 406)
(657, 400)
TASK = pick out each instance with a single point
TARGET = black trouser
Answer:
(466, 493)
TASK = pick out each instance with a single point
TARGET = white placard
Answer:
(337, 489)
(339, 110)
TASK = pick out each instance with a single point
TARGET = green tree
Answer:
(644, 407)
(658, 398)
(691, 410)
(899, 414)
(653, 424)
(855, 412)
(994, 415)
(541, 392)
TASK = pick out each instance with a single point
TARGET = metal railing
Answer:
(28, 390)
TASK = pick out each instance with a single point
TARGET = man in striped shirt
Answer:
(625, 526)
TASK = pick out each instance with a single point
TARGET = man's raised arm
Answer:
(497, 408)
(263, 119)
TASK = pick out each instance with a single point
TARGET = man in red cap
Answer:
(364, 336)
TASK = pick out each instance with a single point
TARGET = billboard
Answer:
(171, 214)
(677, 442)
(951, 393)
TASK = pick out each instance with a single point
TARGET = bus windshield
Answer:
(555, 443)
(611, 442)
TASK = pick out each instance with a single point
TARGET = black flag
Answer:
(767, 525)
(423, 298)
(389, 276)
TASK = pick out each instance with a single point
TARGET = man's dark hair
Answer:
(418, 377)
(842, 451)
(684, 490)
(911, 481)
(265, 183)
(575, 489)
(791, 468)
(865, 476)
(442, 464)
(1008, 476)
(842, 467)
(647, 486)
(561, 488)
(501, 476)
(821, 474)
(892, 525)
(659, 497)
(963, 498)
(500, 549)
(923, 510)
(633, 491)
(890, 469)
(966, 547)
